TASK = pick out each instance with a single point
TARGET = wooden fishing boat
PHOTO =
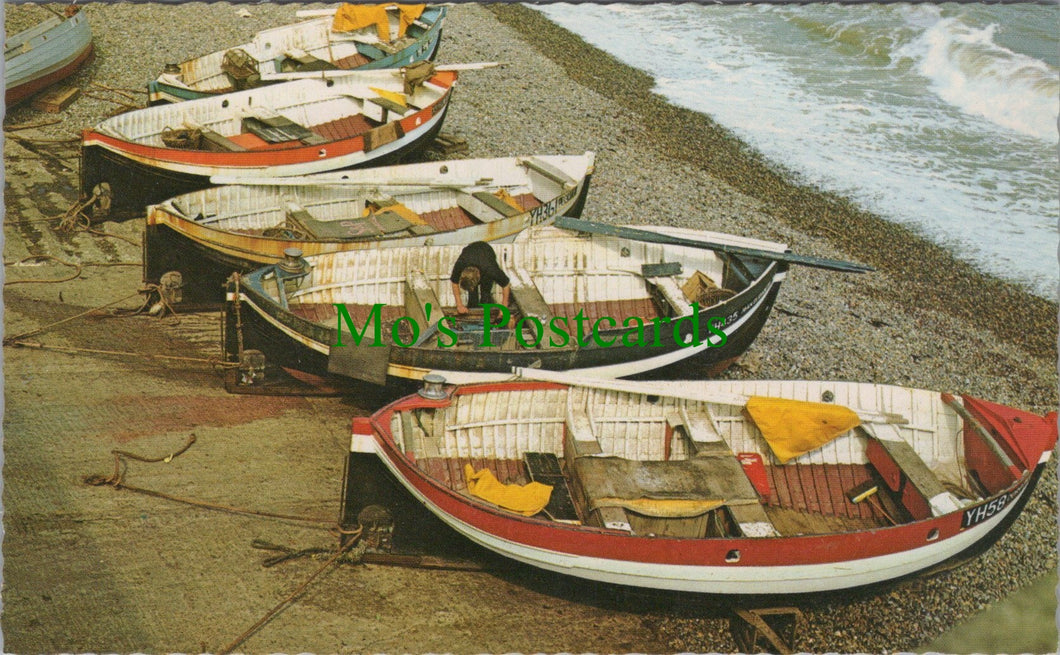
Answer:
(600, 304)
(366, 37)
(46, 53)
(206, 235)
(719, 487)
(139, 158)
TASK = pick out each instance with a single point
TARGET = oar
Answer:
(336, 180)
(656, 237)
(328, 74)
(684, 389)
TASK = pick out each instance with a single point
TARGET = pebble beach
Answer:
(923, 319)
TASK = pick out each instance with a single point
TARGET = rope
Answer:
(217, 363)
(29, 126)
(117, 480)
(131, 94)
(290, 599)
(123, 105)
(76, 274)
(11, 341)
(288, 554)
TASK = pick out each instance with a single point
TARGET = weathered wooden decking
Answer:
(805, 499)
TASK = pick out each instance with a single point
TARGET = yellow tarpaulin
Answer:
(508, 199)
(396, 207)
(354, 17)
(392, 96)
(525, 499)
(795, 427)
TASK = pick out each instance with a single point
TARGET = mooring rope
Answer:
(12, 341)
(78, 266)
(75, 275)
(216, 363)
(339, 553)
(117, 480)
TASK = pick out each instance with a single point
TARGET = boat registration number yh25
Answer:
(980, 513)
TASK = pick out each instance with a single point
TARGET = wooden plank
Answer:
(214, 141)
(527, 296)
(421, 303)
(478, 209)
(455, 475)
(580, 437)
(779, 482)
(56, 99)
(823, 486)
(809, 489)
(390, 105)
(548, 170)
(798, 494)
(672, 295)
(496, 204)
(790, 522)
(913, 468)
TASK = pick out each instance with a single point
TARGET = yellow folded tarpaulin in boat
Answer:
(794, 427)
(525, 499)
(667, 508)
(392, 96)
(354, 17)
(508, 199)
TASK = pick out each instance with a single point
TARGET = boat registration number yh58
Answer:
(980, 513)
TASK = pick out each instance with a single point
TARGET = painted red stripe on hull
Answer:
(19, 93)
(299, 154)
(592, 542)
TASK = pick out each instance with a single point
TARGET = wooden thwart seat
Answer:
(672, 497)
(548, 170)
(664, 497)
(702, 435)
(480, 210)
(906, 474)
(495, 203)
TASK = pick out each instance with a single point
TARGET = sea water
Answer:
(939, 117)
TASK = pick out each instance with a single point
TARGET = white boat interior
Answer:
(422, 198)
(311, 43)
(310, 111)
(553, 273)
(640, 463)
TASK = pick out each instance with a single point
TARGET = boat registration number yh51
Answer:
(980, 513)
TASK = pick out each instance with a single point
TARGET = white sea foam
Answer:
(874, 103)
(969, 70)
